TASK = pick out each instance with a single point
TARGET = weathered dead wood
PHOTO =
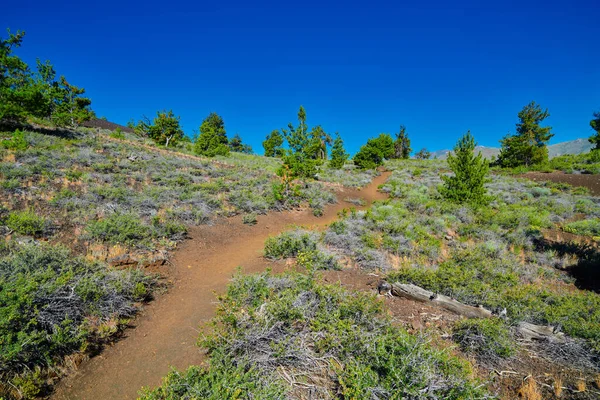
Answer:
(531, 332)
(414, 292)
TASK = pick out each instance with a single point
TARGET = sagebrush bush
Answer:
(342, 340)
(488, 338)
(50, 302)
(120, 228)
(290, 243)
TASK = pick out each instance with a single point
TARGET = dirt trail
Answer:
(165, 332)
(592, 182)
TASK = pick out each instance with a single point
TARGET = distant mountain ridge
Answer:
(577, 146)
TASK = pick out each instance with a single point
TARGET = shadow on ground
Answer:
(587, 269)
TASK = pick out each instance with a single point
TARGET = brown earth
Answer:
(592, 182)
(164, 334)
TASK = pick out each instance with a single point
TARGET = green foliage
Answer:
(402, 144)
(528, 146)
(290, 243)
(117, 134)
(423, 154)
(487, 337)
(212, 140)
(17, 142)
(250, 219)
(338, 154)
(595, 124)
(298, 166)
(165, 128)
(362, 352)
(587, 227)
(25, 94)
(374, 152)
(15, 79)
(120, 228)
(27, 223)
(226, 379)
(70, 109)
(297, 137)
(236, 144)
(273, 144)
(470, 171)
(307, 150)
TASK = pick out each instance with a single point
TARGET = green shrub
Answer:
(588, 227)
(290, 243)
(17, 142)
(47, 299)
(120, 228)
(27, 223)
(250, 219)
(117, 134)
(488, 338)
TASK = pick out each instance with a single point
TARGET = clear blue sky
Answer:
(438, 67)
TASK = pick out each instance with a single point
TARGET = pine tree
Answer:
(71, 109)
(165, 129)
(423, 154)
(470, 171)
(402, 144)
(529, 145)
(236, 144)
(297, 137)
(212, 140)
(595, 124)
(338, 154)
(14, 77)
(273, 144)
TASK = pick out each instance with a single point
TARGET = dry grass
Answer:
(529, 390)
(581, 385)
(558, 387)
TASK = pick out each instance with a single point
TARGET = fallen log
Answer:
(527, 331)
(414, 292)
(532, 332)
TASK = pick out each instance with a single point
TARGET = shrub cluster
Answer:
(53, 303)
(337, 344)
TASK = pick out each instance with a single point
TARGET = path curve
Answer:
(166, 330)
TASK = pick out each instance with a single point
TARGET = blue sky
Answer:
(360, 68)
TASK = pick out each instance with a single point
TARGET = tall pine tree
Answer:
(529, 145)
(402, 144)
(212, 140)
(338, 153)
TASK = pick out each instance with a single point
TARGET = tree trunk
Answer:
(417, 293)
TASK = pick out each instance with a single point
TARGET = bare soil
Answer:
(592, 182)
(164, 334)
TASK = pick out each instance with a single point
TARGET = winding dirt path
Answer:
(165, 333)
